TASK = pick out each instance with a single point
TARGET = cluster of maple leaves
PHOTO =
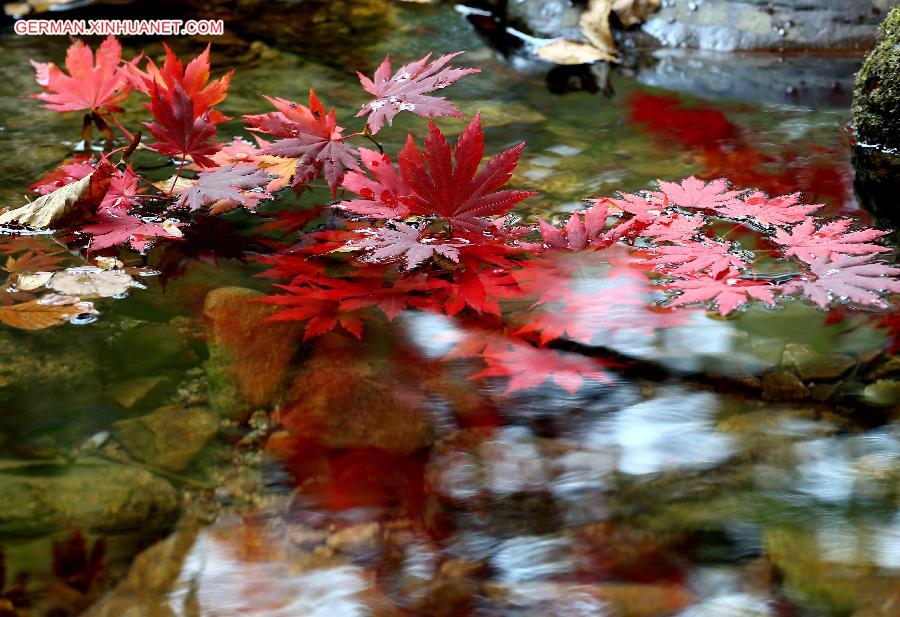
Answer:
(432, 229)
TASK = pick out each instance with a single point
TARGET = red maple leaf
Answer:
(695, 257)
(234, 183)
(430, 184)
(310, 135)
(729, 291)
(192, 81)
(180, 131)
(697, 194)
(406, 90)
(578, 234)
(777, 211)
(404, 241)
(854, 279)
(809, 243)
(89, 86)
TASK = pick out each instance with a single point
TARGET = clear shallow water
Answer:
(689, 483)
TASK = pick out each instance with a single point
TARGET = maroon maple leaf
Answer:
(384, 195)
(697, 194)
(404, 241)
(226, 183)
(777, 211)
(406, 90)
(809, 243)
(430, 184)
(695, 257)
(180, 132)
(728, 291)
(310, 135)
(89, 86)
(855, 279)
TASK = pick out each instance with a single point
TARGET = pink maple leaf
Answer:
(404, 241)
(529, 367)
(697, 194)
(777, 211)
(855, 279)
(406, 90)
(809, 243)
(110, 229)
(677, 228)
(233, 183)
(696, 257)
(729, 292)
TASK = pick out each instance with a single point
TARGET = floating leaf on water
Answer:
(92, 282)
(47, 210)
(573, 52)
(51, 310)
(108, 263)
(27, 281)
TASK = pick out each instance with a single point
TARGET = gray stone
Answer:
(758, 25)
(811, 365)
(169, 437)
(91, 495)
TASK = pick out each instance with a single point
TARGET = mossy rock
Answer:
(876, 99)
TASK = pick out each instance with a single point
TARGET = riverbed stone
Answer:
(782, 385)
(811, 365)
(249, 356)
(169, 437)
(348, 396)
(883, 393)
(92, 495)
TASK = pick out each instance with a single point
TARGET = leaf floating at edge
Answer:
(51, 310)
(47, 210)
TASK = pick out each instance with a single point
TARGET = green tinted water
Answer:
(662, 493)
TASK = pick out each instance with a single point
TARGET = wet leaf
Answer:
(52, 207)
(51, 310)
(91, 282)
(406, 90)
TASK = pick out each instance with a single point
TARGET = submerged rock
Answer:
(813, 366)
(344, 397)
(248, 356)
(169, 437)
(94, 496)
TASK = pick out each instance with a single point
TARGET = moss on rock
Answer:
(876, 99)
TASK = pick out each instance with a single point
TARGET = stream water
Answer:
(738, 467)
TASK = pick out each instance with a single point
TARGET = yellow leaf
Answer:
(280, 166)
(594, 24)
(51, 310)
(48, 209)
(572, 52)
